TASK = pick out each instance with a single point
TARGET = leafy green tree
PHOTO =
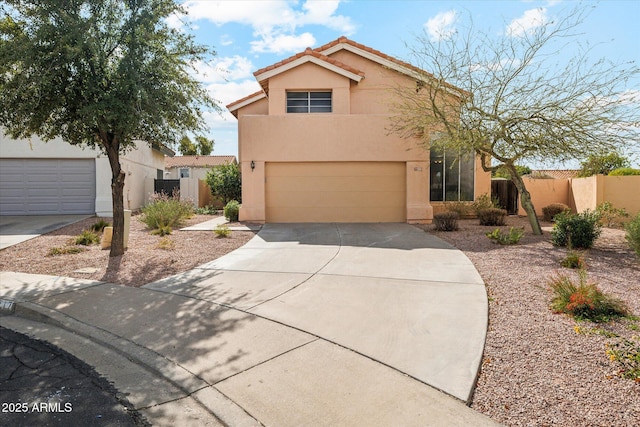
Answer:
(225, 182)
(203, 146)
(513, 98)
(602, 164)
(186, 147)
(99, 73)
(502, 172)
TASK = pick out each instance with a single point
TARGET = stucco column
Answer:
(253, 192)
(419, 210)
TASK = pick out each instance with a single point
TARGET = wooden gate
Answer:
(507, 194)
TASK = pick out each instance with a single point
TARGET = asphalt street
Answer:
(42, 385)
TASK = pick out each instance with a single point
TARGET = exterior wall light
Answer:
(253, 165)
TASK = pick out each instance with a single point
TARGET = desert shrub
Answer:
(87, 238)
(610, 216)
(574, 259)
(232, 210)
(626, 352)
(484, 201)
(65, 250)
(624, 172)
(206, 210)
(166, 244)
(461, 208)
(99, 226)
(511, 238)
(576, 231)
(163, 230)
(633, 234)
(165, 211)
(446, 221)
(549, 212)
(584, 301)
(492, 216)
(222, 231)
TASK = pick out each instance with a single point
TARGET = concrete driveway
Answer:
(390, 292)
(307, 324)
(17, 229)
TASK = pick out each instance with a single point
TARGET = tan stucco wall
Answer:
(581, 194)
(140, 165)
(545, 192)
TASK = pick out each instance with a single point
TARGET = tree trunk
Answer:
(117, 198)
(525, 199)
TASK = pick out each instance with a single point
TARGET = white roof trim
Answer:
(247, 102)
(375, 58)
(303, 60)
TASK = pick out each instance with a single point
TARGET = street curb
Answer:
(176, 383)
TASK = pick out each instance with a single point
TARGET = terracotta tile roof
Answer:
(318, 53)
(197, 161)
(554, 173)
(310, 52)
(345, 40)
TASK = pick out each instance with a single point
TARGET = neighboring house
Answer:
(192, 173)
(193, 166)
(38, 178)
(314, 144)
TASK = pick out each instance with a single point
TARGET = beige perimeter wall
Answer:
(581, 194)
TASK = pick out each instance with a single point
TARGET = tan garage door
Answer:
(336, 192)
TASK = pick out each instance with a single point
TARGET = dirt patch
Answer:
(147, 259)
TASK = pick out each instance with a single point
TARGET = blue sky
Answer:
(249, 35)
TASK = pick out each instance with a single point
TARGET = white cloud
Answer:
(274, 22)
(283, 43)
(528, 22)
(441, 26)
(227, 92)
(224, 69)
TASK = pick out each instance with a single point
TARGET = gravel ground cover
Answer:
(147, 259)
(541, 368)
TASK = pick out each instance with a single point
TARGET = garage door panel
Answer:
(336, 192)
(47, 186)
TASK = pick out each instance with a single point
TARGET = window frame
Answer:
(443, 159)
(188, 172)
(305, 104)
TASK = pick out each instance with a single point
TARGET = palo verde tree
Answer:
(202, 147)
(99, 73)
(517, 98)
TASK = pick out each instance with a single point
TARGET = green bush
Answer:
(511, 238)
(65, 250)
(165, 211)
(484, 201)
(222, 231)
(446, 221)
(492, 216)
(461, 208)
(610, 216)
(633, 234)
(627, 353)
(584, 301)
(574, 259)
(163, 230)
(232, 210)
(576, 231)
(624, 172)
(549, 212)
(225, 182)
(99, 226)
(87, 238)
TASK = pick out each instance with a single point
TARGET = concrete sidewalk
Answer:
(308, 324)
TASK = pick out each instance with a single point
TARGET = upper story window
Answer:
(309, 102)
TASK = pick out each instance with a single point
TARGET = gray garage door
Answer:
(45, 186)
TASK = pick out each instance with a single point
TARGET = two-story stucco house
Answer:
(314, 144)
